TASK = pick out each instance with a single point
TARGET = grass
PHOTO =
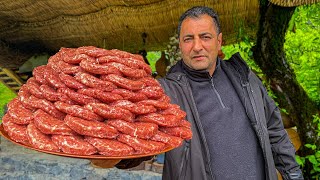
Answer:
(6, 95)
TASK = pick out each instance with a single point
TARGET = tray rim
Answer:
(101, 157)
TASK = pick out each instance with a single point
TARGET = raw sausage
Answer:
(91, 128)
(94, 51)
(140, 145)
(34, 88)
(185, 123)
(137, 129)
(45, 105)
(38, 74)
(111, 58)
(78, 111)
(70, 81)
(77, 97)
(103, 96)
(127, 71)
(18, 133)
(50, 125)
(129, 95)
(161, 120)
(149, 81)
(123, 82)
(134, 108)
(39, 140)
(51, 94)
(74, 57)
(155, 103)
(52, 78)
(68, 68)
(18, 113)
(23, 96)
(153, 92)
(134, 58)
(174, 109)
(92, 66)
(169, 140)
(183, 132)
(94, 82)
(73, 145)
(110, 147)
(110, 112)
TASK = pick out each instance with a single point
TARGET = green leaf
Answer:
(300, 160)
(316, 168)
(311, 146)
(312, 159)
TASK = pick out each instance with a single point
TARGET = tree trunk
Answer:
(269, 54)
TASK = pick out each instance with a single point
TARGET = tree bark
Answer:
(269, 54)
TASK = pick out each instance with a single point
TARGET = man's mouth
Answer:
(198, 57)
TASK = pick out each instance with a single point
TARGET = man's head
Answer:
(200, 38)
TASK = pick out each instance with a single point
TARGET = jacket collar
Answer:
(239, 65)
(235, 62)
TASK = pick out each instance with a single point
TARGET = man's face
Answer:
(199, 43)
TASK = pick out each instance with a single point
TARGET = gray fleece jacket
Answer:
(192, 159)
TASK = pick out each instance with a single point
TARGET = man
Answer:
(237, 128)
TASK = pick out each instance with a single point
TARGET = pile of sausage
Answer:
(89, 100)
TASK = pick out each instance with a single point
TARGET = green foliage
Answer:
(244, 48)
(316, 120)
(152, 57)
(302, 48)
(6, 95)
(314, 159)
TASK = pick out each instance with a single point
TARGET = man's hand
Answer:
(295, 175)
(130, 163)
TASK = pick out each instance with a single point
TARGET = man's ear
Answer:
(219, 41)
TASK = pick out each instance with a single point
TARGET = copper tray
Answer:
(96, 160)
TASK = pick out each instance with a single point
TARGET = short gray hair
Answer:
(197, 11)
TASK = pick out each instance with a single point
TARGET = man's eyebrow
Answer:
(188, 35)
(205, 33)
(201, 34)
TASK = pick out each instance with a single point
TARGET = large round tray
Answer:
(96, 160)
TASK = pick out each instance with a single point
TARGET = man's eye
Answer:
(206, 37)
(187, 39)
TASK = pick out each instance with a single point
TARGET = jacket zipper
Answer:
(250, 92)
(202, 135)
(185, 159)
(197, 122)
(217, 93)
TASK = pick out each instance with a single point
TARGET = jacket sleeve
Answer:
(282, 149)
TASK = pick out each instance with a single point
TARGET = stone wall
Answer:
(17, 162)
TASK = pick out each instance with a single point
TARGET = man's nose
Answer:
(197, 46)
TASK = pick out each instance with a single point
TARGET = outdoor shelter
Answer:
(30, 27)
